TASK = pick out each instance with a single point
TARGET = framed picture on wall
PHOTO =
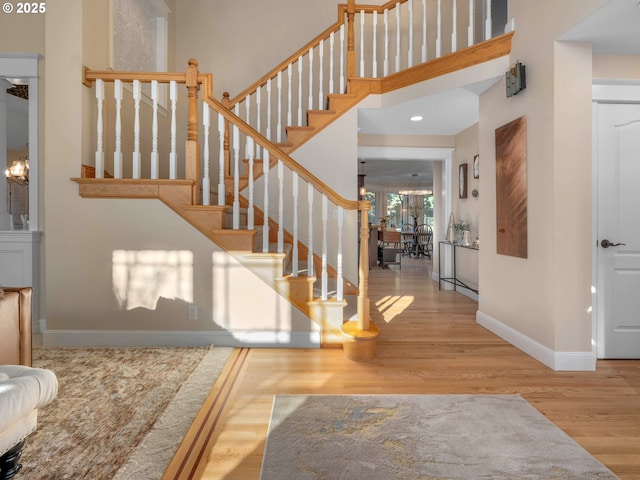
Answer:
(462, 178)
(476, 166)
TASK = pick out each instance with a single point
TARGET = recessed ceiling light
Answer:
(416, 118)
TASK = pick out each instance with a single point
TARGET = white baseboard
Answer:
(137, 338)
(558, 361)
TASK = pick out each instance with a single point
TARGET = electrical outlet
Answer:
(193, 312)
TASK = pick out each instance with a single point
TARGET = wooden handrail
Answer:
(206, 82)
(292, 58)
(343, 10)
(305, 174)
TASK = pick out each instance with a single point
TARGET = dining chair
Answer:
(424, 240)
(408, 239)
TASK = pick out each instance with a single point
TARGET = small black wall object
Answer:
(515, 79)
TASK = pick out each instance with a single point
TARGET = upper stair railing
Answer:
(366, 42)
(141, 150)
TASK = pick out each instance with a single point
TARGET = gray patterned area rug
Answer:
(112, 405)
(419, 437)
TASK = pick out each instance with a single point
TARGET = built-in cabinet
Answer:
(19, 263)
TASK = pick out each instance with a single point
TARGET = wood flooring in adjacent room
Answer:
(430, 344)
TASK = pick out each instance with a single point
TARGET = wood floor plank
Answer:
(430, 343)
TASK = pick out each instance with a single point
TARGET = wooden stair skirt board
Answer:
(360, 345)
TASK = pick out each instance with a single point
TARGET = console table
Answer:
(452, 280)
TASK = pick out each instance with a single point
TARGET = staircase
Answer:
(232, 188)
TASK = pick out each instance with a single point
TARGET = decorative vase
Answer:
(466, 238)
(415, 222)
(451, 230)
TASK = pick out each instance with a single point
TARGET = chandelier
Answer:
(18, 171)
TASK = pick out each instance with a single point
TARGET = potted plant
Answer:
(463, 234)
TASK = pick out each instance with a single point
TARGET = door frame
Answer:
(603, 92)
(26, 244)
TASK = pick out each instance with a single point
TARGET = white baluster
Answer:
(321, 76)
(341, 59)
(265, 225)
(117, 154)
(154, 130)
(258, 115)
(386, 43)
(310, 269)
(99, 160)
(279, 123)
(362, 73)
(221, 188)
(454, 29)
(340, 286)
(206, 181)
(269, 110)
(294, 253)
(397, 38)
(247, 109)
(136, 128)
(470, 30)
(424, 31)
(488, 26)
(300, 90)
(332, 49)
(289, 108)
(324, 274)
(410, 51)
(374, 66)
(439, 30)
(236, 176)
(280, 206)
(310, 107)
(173, 162)
(250, 210)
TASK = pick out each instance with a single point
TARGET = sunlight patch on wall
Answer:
(142, 277)
(392, 306)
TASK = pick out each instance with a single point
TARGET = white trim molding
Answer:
(179, 338)
(558, 361)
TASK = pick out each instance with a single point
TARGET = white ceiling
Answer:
(614, 28)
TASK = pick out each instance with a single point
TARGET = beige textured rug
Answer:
(108, 401)
(419, 437)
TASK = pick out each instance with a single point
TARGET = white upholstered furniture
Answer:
(23, 390)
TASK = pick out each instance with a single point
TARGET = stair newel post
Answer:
(363, 271)
(192, 147)
(351, 53)
(227, 156)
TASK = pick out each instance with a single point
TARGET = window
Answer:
(394, 210)
(371, 196)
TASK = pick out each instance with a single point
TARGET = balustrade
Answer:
(412, 32)
(152, 156)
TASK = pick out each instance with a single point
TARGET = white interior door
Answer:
(618, 229)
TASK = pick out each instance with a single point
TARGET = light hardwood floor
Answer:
(430, 343)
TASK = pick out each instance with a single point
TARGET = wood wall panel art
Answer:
(511, 188)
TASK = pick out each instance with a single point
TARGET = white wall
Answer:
(543, 298)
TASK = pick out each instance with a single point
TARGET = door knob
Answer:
(606, 244)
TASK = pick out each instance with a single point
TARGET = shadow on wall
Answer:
(156, 290)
